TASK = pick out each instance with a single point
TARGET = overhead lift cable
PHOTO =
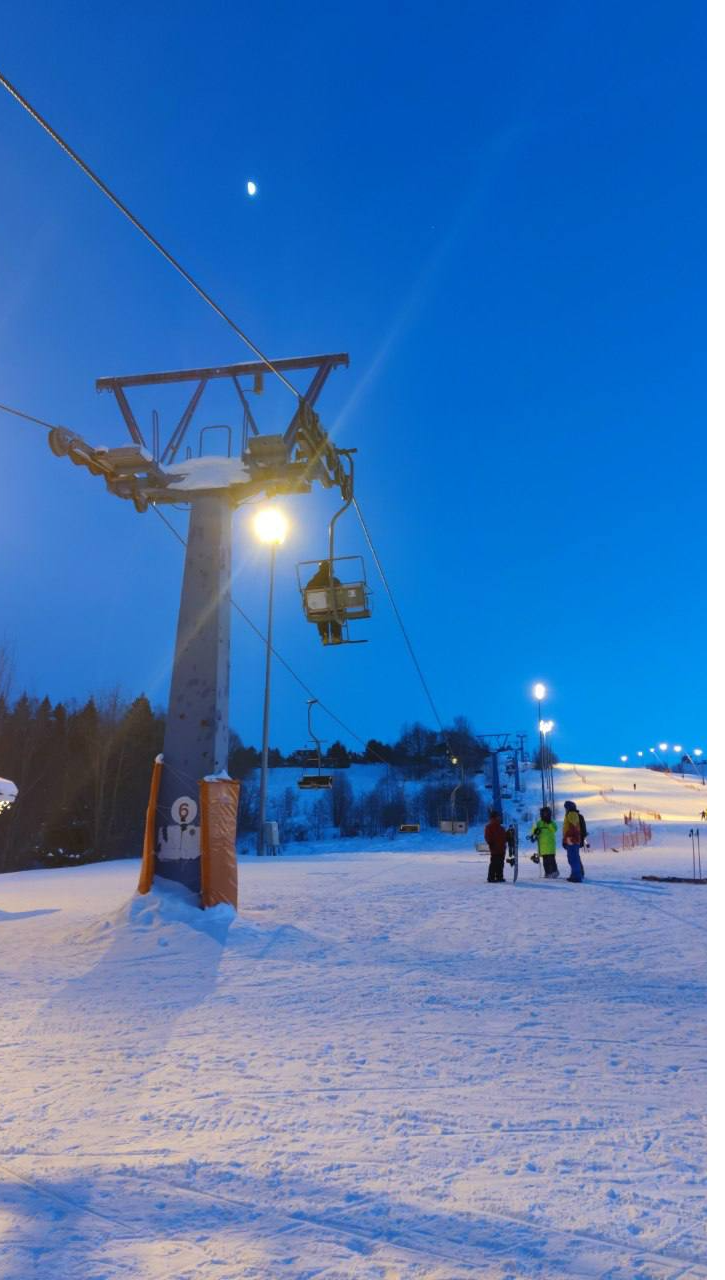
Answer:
(6, 408)
(136, 222)
(397, 613)
(186, 275)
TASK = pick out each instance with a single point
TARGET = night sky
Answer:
(498, 210)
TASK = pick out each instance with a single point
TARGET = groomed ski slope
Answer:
(384, 1067)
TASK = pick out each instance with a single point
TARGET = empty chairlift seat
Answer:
(314, 779)
(315, 782)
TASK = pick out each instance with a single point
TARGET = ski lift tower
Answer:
(496, 743)
(180, 844)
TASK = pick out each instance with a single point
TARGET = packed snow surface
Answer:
(382, 1067)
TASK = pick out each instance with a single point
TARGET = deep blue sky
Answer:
(498, 210)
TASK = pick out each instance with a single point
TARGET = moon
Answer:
(251, 188)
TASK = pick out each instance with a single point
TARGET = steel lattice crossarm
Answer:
(287, 462)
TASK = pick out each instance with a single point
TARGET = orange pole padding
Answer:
(146, 877)
(219, 803)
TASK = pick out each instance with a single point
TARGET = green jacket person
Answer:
(544, 833)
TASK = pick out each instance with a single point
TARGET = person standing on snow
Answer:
(495, 837)
(572, 839)
(584, 833)
(544, 833)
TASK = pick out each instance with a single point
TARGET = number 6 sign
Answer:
(184, 810)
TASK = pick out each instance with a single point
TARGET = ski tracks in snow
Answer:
(390, 1070)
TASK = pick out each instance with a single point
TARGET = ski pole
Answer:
(692, 837)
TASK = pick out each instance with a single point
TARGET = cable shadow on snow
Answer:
(82, 1225)
(6, 917)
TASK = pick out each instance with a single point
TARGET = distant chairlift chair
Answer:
(318, 781)
(454, 825)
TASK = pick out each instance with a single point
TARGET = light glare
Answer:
(539, 691)
(271, 525)
(251, 188)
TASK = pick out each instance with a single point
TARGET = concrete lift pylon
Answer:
(196, 741)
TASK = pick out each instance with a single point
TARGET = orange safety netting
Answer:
(147, 858)
(219, 803)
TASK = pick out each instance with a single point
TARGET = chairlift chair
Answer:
(318, 781)
(339, 603)
(333, 604)
(454, 825)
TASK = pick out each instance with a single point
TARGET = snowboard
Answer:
(512, 855)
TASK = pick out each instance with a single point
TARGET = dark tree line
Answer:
(83, 777)
(373, 812)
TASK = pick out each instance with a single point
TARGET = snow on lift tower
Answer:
(328, 601)
(191, 819)
(8, 793)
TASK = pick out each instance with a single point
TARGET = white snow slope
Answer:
(383, 1067)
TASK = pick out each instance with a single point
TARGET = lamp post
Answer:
(546, 727)
(624, 759)
(540, 694)
(690, 756)
(270, 526)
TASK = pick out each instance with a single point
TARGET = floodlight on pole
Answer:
(677, 748)
(624, 759)
(539, 691)
(663, 746)
(697, 752)
(271, 526)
